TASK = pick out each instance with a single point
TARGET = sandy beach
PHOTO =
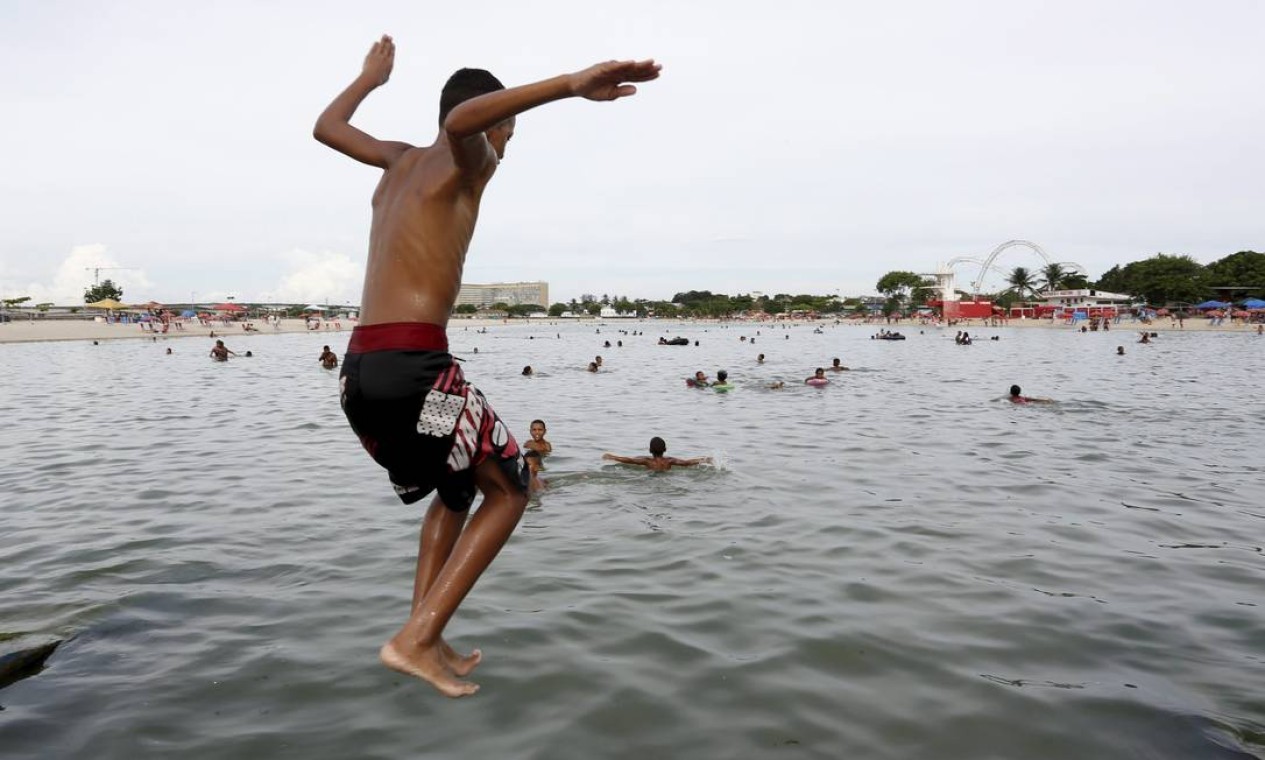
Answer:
(26, 331)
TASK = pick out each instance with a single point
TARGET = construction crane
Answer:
(96, 272)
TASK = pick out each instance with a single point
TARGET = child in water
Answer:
(538, 442)
(657, 461)
(536, 484)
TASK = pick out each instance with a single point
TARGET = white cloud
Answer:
(80, 270)
(319, 277)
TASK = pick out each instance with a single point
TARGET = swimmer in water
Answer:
(657, 461)
(837, 367)
(538, 442)
(819, 375)
(759, 359)
(722, 377)
(328, 359)
(700, 380)
(592, 367)
(1017, 397)
(528, 371)
(220, 352)
(1119, 350)
(536, 483)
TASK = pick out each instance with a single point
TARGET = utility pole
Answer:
(96, 272)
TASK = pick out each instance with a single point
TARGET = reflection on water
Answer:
(897, 565)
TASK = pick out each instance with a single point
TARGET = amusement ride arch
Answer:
(988, 264)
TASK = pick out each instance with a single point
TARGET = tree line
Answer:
(1161, 280)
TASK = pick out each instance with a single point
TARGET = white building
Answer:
(508, 293)
(1082, 299)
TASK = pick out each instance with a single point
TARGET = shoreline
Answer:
(38, 331)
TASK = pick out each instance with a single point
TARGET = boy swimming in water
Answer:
(538, 442)
(402, 392)
(657, 461)
(1017, 397)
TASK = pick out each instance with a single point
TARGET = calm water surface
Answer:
(896, 566)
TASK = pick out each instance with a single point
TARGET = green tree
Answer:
(9, 303)
(466, 308)
(903, 285)
(103, 290)
(1161, 279)
(500, 306)
(1245, 269)
(1075, 281)
(557, 309)
(1053, 275)
(525, 309)
(593, 307)
(1022, 282)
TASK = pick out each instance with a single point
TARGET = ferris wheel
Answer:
(988, 264)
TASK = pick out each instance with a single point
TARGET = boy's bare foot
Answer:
(459, 665)
(427, 665)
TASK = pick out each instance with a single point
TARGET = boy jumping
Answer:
(402, 392)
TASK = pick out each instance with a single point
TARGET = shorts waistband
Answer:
(397, 336)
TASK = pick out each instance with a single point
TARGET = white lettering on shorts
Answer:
(440, 413)
(467, 441)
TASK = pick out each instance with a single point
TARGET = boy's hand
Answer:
(379, 61)
(605, 81)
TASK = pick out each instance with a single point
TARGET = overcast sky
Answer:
(788, 146)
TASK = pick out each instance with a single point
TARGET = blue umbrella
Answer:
(1212, 305)
(188, 313)
(1254, 303)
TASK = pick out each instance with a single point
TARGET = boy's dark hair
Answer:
(531, 454)
(722, 375)
(1014, 390)
(541, 423)
(464, 85)
(657, 446)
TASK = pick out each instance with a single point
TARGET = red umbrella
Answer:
(229, 307)
(1162, 312)
(1241, 313)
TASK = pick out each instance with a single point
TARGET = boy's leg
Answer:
(416, 649)
(440, 530)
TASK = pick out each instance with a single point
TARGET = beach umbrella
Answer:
(106, 303)
(1212, 305)
(188, 313)
(1241, 313)
(314, 308)
(1254, 303)
(1161, 312)
(229, 307)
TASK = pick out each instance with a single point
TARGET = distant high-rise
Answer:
(509, 293)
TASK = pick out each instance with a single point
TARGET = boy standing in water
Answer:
(402, 392)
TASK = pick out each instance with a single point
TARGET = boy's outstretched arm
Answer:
(334, 128)
(623, 460)
(466, 123)
(690, 462)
